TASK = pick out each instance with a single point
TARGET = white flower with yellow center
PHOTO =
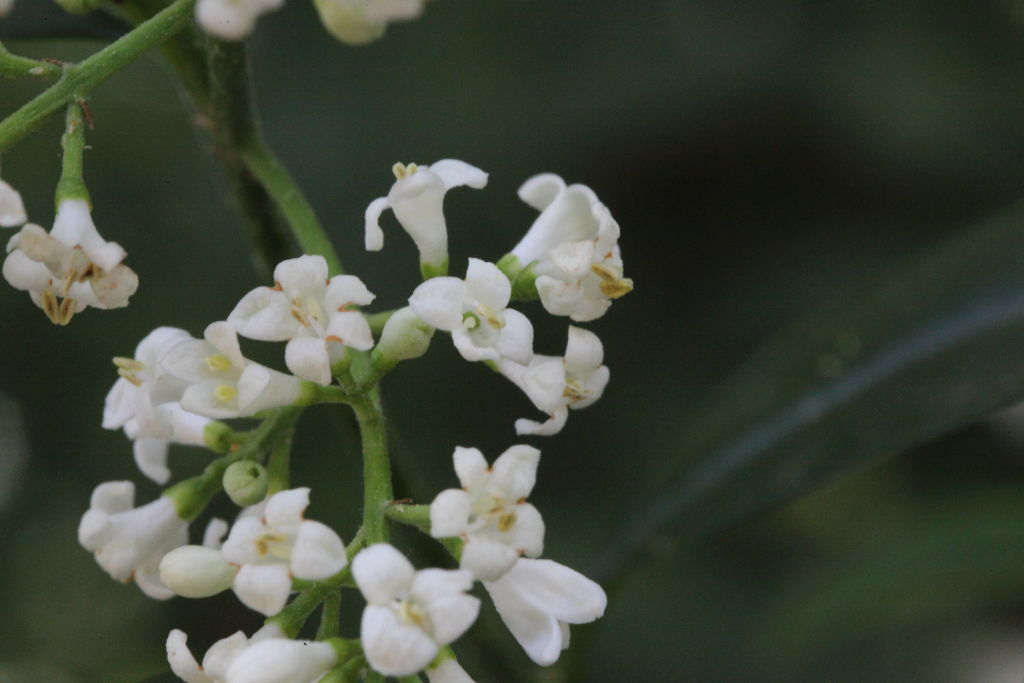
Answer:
(70, 267)
(272, 543)
(417, 200)
(129, 542)
(474, 311)
(232, 19)
(222, 383)
(316, 315)
(489, 512)
(573, 245)
(409, 614)
(555, 384)
(538, 599)
(358, 22)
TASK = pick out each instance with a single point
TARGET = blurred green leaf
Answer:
(924, 350)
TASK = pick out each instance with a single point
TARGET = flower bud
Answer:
(347, 22)
(193, 571)
(405, 336)
(245, 483)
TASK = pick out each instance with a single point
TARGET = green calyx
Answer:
(429, 270)
(245, 482)
(523, 279)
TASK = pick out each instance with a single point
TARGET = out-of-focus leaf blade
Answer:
(928, 348)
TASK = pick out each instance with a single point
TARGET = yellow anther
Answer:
(506, 521)
(51, 306)
(66, 310)
(411, 613)
(574, 389)
(401, 170)
(613, 285)
(129, 364)
(225, 392)
(218, 363)
(492, 318)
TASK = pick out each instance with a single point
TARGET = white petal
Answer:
(466, 344)
(487, 559)
(214, 533)
(566, 593)
(187, 428)
(240, 546)
(263, 587)
(449, 513)
(553, 425)
(452, 615)
(23, 273)
(537, 631)
(448, 671)
(318, 552)
(374, 236)
(391, 647)
(487, 284)
(455, 173)
(352, 328)
(194, 571)
(583, 351)
(264, 314)
(573, 259)
(540, 190)
(558, 296)
(278, 660)
(417, 202)
(303, 276)
(119, 405)
(260, 388)
(381, 572)
(308, 358)
(151, 458)
(113, 496)
(470, 465)
(438, 302)
(594, 386)
(12, 210)
(568, 218)
(220, 655)
(183, 664)
(515, 341)
(515, 471)
(346, 290)
(284, 509)
(528, 531)
(433, 584)
(224, 338)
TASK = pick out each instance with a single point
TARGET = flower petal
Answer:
(540, 190)
(391, 647)
(381, 572)
(318, 552)
(308, 358)
(183, 663)
(438, 302)
(263, 587)
(449, 513)
(515, 471)
(455, 173)
(374, 236)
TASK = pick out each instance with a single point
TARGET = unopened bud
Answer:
(405, 336)
(245, 483)
(193, 571)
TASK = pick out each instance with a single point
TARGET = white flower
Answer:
(448, 671)
(221, 382)
(144, 402)
(574, 241)
(272, 547)
(218, 658)
(280, 660)
(129, 542)
(313, 312)
(358, 22)
(409, 614)
(474, 311)
(70, 267)
(417, 199)
(12, 209)
(538, 599)
(555, 384)
(232, 19)
(489, 512)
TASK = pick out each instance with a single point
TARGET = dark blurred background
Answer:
(763, 159)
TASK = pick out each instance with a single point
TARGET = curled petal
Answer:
(487, 559)
(438, 302)
(449, 513)
(318, 552)
(553, 425)
(183, 663)
(515, 471)
(374, 236)
(264, 314)
(470, 465)
(381, 572)
(516, 339)
(487, 284)
(308, 358)
(455, 173)
(540, 190)
(284, 509)
(392, 647)
(352, 328)
(151, 458)
(263, 587)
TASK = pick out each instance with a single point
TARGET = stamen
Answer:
(411, 613)
(506, 521)
(492, 318)
(574, 389)
(218, 363)
(50, 307)
(225, 393)
(613, 285)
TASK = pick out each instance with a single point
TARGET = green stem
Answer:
(80, 80)
(377, 491)
(13, 66)
(330, 617)
(378, 320)
(71, 184)
(279, 463)
(413, 515)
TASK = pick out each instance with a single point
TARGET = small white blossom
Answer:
(70, 267)
(129, 542)
(409, 614)
(314, 314)
(218, 658)
(574, 242)
(281, 660)
(12, 209)
(271, 543)
(554, 384)
(489, 512)
(232, 19)
(417, 200)
(195, 571)
(474, 311)
(144, 402)
(222, 383)
(358, 22)
(538, 599)
(448, 671)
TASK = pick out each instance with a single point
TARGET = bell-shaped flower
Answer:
(358, 22)
(409, 614)
(316, 315)
(554, 384)
(474, 311)
(222, 383)
(70, 267)
(12, 209)
(538, 599)
(573, 246)
(417, 200)
(276, 545)
(448, 671)
(218, 658)
(489, 512)
(232, 19)
(129, 542)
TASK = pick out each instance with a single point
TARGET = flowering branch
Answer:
(79, 80)
(377, 490)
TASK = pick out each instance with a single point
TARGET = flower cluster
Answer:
(179, 389)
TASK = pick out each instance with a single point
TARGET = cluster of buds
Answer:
(179, 389)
